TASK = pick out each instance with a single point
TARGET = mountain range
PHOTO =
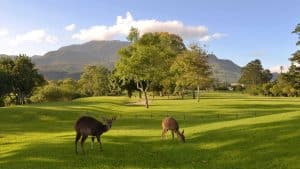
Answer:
(69, 61)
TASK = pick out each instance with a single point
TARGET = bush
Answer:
(55, 91)
(253, 90)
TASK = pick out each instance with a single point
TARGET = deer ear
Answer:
(104, 119)
(182, 132)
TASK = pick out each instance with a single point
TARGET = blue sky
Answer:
(232, 29)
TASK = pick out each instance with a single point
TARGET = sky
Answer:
(238, 30)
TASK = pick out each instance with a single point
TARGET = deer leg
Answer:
(83, 138)
(172, 134)
(76, 140)
(92, 144)
(99, 141)
(163, 134)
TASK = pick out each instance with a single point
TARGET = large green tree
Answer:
(21, 77)
(94, 81)
(253, 74)
(6, 66)
(25, 78)
(148, 59)
(191, 68)
(296, 59)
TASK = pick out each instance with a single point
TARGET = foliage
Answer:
(148, 59)
(254, 74)
(191, 69)
(295, 69)
(20, 77)
(65, 90)
(94, 81)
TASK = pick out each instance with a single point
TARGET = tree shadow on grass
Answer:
(265, 145)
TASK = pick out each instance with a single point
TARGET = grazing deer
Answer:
(86, 126)
(169, 123)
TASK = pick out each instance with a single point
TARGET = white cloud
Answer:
(214, 36)
(3, 32)
(36, 36)
(70, 27)
(277, 68)
(123, 25)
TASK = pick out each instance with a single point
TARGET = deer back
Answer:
(169, 123)
(88, 125)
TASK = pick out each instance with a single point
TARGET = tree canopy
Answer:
(254, 74)
(94, 81)
(20, 76)
(148, 59)
(191, 69)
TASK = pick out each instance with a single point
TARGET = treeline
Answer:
(257, 81)
(157, 62)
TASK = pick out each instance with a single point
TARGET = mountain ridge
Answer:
(69, 61)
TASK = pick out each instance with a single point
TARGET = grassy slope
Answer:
(223, 131)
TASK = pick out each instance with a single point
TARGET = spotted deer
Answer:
(88, 126)
(169, 123)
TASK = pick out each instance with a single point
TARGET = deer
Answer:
(169, 123)
(88, 126)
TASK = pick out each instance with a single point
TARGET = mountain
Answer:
(224, 70)
(69, 61)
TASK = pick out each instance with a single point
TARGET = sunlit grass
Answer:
(223, 131)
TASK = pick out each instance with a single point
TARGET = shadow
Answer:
(265, 145)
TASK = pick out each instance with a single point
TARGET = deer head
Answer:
(109, 121)
(181, 137)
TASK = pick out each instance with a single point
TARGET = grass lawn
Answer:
(223, 131)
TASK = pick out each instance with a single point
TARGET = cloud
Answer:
(36, 36)
(277, 68)
(123, 25)
(70, 27)
(214, 36)
(3, 32)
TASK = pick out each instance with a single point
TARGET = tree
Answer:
(133, 35)
(253, 74)
(191, 69)
(296, 59)
(94, 81)
(148, 59)
(6, 66)
(25, 78)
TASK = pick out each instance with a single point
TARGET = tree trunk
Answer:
(146, 100)
(129, 93)
(182, 94)
(144, 90)
(140, 94)
(194, 95)
(198, 93)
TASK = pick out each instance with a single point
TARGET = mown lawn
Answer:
(223, 131)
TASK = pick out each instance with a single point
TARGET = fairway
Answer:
(223, 131)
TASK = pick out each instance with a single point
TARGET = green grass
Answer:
(223, 131)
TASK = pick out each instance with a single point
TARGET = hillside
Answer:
(69, 61)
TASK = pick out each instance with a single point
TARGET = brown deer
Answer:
(89, 126)
(169, 123)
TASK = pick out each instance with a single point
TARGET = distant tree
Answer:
(148, 59)
(296, 59)
(133, 35)
(6, 66)
(69, 89)
(94, 81)
(21, 77)
(253, 74)
(191, 69)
